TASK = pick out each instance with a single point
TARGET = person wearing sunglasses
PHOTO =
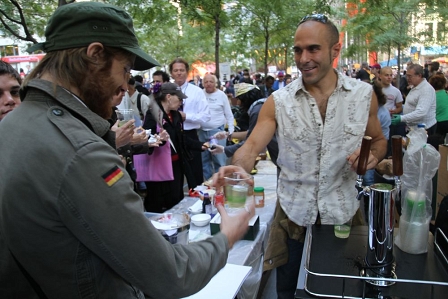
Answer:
(319, 121)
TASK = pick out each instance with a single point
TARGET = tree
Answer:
(383, 24)
(268, 27)
(211, 13)
(23, 20)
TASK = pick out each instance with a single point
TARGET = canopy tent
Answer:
(441, 59)
(391, 62)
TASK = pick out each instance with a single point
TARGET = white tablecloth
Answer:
(249, 253)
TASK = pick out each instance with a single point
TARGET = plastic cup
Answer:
(124, 116)
(342, 231)
(237, 189)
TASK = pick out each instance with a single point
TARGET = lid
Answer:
(382, 187)
(258, 189)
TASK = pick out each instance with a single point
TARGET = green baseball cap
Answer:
(79, 24)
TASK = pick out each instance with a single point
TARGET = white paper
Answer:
(197, 207)
(226, 283)
(217, 219)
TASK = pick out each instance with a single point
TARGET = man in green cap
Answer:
(71, 225)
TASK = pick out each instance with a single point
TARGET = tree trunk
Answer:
(217, 30)
(266, 50)
(397, 83)
(286, 59)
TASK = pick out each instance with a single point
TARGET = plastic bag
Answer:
(420, 164)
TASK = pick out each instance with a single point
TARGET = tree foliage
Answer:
(26, 19)
(383, 26)
(241, 31)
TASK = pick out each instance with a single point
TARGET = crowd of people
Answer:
(69, 205)
(423, 88)
(214, 122)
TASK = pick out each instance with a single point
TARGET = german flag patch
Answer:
(112, 176)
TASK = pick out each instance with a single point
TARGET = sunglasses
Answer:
(315, 17)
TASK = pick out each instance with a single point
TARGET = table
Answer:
(248, 253)
(336, 275)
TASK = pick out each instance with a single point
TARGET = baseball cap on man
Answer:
(170, 88)
(280, 74)
(375, 66)
(79, 24)
(242, 88)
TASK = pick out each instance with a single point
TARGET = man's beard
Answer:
(97, 91)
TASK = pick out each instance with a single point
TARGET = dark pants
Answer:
(399, 129)
(162, 196)
(288, 274)
(442, 128)
(196, 162)
(432, 131)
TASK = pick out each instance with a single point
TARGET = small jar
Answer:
(259, 197)
(219, 198)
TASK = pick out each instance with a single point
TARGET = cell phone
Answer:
(213, 147)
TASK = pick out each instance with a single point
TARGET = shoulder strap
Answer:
(139, 102)
(30, 279)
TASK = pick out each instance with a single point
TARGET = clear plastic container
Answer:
(259, 197)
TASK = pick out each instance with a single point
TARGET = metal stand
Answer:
(331, 266)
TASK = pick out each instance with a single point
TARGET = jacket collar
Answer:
(69, 101)
(343, 82)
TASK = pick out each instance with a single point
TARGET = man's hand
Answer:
(164, 136)
(154, 141)
(139, 137)
(216, 149)
(227, 171)
(396, 119)
(234, 227)
(353, 160)
(123, 134)
(221, 135)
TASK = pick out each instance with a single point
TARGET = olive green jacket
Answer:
(69, 214)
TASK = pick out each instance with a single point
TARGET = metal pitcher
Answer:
(380, 244)
(380, 262)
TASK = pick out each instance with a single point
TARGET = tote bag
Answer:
(156, 167)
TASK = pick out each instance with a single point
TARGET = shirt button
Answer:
(58, 112)
(270, 262)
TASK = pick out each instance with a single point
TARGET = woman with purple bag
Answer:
(164, 176)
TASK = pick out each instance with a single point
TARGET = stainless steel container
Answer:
(379, 258)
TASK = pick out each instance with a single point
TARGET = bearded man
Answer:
(71, 225)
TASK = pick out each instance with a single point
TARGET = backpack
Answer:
(139, 105)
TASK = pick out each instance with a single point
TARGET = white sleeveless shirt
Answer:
(315, 175)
